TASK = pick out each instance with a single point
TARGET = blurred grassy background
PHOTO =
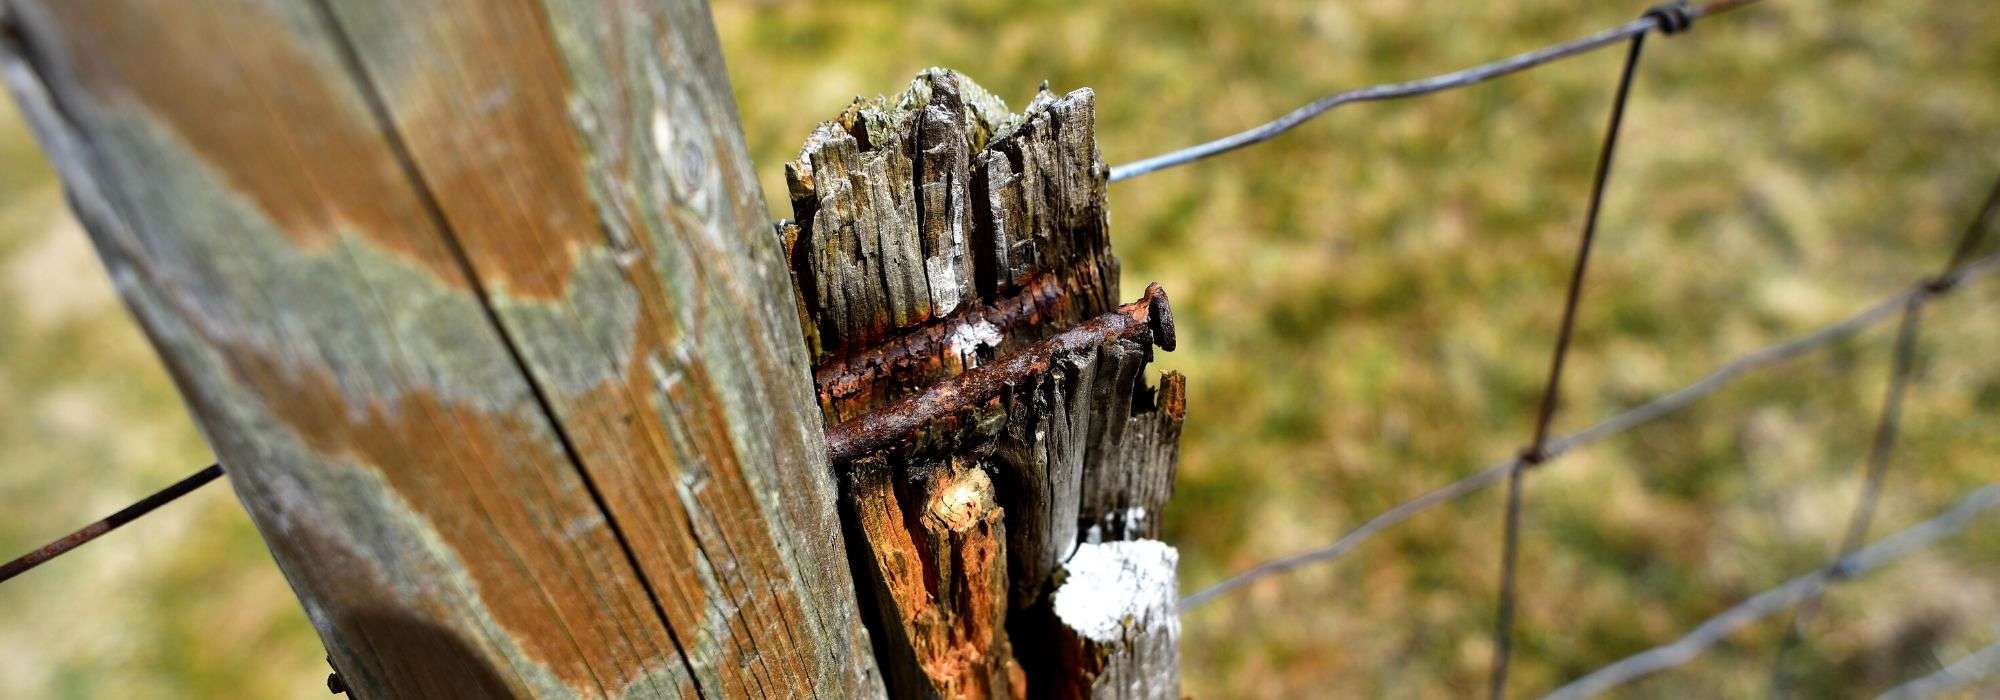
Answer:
(1366, 306)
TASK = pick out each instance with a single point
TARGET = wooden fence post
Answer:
(1002, 458)
(477, 302)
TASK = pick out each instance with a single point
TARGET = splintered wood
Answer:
(998, 447)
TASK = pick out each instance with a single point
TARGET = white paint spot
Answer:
(967, 338)
(1115, 584)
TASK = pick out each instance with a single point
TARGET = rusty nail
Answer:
(884, 427)
(1160, 316)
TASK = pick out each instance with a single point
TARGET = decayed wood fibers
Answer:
(955, 283)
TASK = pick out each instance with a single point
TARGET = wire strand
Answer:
(1886, 428)
(1975, 234)
(1412, 88)
(1654, 409)
(1510, 550)
(1769, 602)
(1972, 667)
(23, 563)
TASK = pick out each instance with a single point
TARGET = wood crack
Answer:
(378, 109)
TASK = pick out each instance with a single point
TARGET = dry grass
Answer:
(1365, 308)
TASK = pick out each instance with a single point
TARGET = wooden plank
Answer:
(476, 302)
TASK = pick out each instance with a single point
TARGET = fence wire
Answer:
(1800, 594)
(1871, 488)
(1957, 271)
(1778, 599)
(21, 564)
(1670, 19)
(1973, 667)
(1885, 432)
(1425, 86)
(1655, 409)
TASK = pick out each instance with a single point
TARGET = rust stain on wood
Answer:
(488, 128)
(494, 144)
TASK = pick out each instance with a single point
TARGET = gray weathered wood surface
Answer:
(477, 302)
(957, 287)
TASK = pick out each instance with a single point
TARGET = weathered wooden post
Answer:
(477, 302)
(1002, 459)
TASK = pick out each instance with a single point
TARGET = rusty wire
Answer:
(1670, 19)
(1413, 88)
(110, 522)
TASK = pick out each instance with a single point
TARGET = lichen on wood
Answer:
(955, 282)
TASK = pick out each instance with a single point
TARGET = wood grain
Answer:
(476, 302)
(955, 281)
(935, 546)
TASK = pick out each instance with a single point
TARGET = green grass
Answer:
(1365, 308)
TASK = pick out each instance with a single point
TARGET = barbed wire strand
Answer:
(110, 522)
(1654, 409)
(1772, 601)
(1975, 666)
(1412, 88)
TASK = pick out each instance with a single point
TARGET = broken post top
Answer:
(986, 398)
(934, 230)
